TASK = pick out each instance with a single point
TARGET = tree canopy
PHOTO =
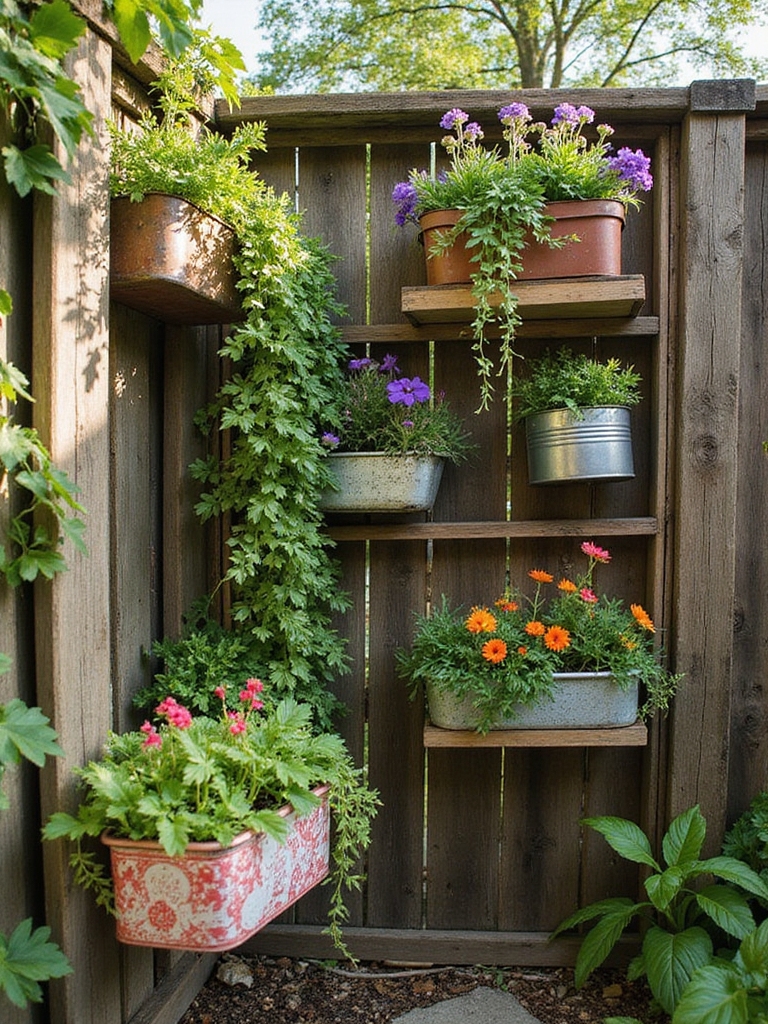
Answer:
(389, 45)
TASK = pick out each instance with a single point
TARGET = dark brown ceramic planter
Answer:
(597, 223)
(173, 261)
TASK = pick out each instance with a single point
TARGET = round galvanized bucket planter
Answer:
(376, 482)
(563, 448)
(580, 700)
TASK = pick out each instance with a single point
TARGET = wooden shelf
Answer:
(626, 736)
(562, 298)
(403, 333)
(409, 530)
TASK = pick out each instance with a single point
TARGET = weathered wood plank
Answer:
(710, 330)
(627, 736)
(497, 528)
(392, 334)
(572, 297)
(175, 993)
(71, 371)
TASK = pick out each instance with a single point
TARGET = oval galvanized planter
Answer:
(563, 448)
(214, 897)
(377, 482)
(581, 700)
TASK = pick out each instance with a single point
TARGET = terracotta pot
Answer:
(377, 482)
(215, 897)
(580, 700)
(171, 260)
(597, 223)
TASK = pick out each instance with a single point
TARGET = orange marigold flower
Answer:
(540, 576)
(627, 642)
(642, 617)
(557, 638)
(567, 586)
(535, 628)
(480, 621)
(507, 606)
(494, 650)
(522, 650)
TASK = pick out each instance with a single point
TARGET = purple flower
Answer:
(566, 113)
(405, 197)
(408, 424)
(359, 364)
(633, 168)
(513, 111)
(406, 391)
(473, 131)
(329, 440)
(453, 118)
(388, 364)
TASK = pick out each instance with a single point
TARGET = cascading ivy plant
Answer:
(286, 358)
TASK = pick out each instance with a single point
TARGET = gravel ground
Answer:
(285, 991)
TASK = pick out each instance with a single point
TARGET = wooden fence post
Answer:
(712, 216)
(72, 633)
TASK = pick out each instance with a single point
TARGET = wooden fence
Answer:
(493, 856)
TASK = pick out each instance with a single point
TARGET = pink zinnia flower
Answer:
(593, 551)
(588, 595)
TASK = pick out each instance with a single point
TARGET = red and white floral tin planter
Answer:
(215, 897)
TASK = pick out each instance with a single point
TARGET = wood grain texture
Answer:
(709, 360)
(627, 736)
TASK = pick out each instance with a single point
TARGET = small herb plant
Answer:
(747, 838)
(682, 915)
(380, 410)
(502, 196)
(200, 778)
(573, 381)
(505, 656)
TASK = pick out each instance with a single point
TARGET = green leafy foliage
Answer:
(24, 732)
(29, 548)
(506, 655)
(747, 839)
(573, 381)
(204, 778)
(370, 417)
(683, 915)
(26, 959)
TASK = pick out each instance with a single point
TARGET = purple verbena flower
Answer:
(406, 391)
(405, 197)
(453, 118)
(513, 111)
(566, 113)
(329, 440)
(633, 168)
(359, 364)
(408, 424)
(473, 131)
(388, 364)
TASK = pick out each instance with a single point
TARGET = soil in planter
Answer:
(292, 991)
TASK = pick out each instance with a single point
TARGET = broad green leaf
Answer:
(54, 28)
(27, 958)
(173, 835)
(6, 303)
(753, 951)
(685, 837)
(663, 888)
(625, 838)
(35, 167)
(671, 960)
(715, 995)
(61, 825)
(599, 941)
(25, 732)
(133, 25)
(732, 870)
(727, 908)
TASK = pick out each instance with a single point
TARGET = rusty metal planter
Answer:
(173, 261)
(215, 897)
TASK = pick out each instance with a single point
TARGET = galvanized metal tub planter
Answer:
(173, 261)
(377, 482)
(215, 897)
(566, 448)
(581, 700)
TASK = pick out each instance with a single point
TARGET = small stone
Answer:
(235, 972)
(613, 991)
(561, 991)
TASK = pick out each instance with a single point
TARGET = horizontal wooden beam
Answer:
(512, 949)
(635, 735)
(173, 996)
(603, 327)
(646, 526)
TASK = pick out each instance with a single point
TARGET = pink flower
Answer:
(588, 595)
(220, 692)
(176, 713)
(252, 687)
(153, 739)
(599, 554)
(238, 723)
